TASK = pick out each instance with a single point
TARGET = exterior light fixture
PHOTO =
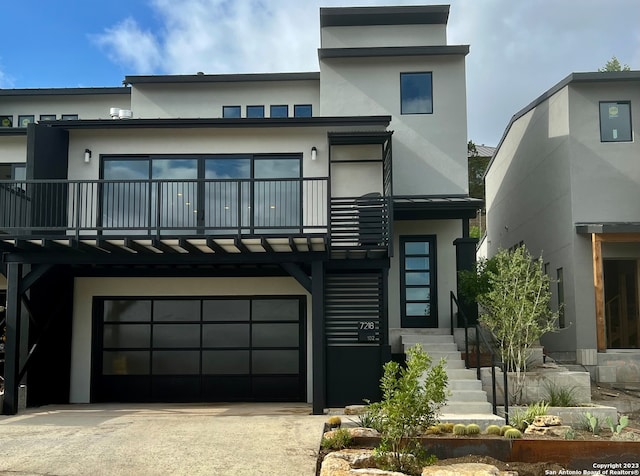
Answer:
(87, 156)
(314, 153)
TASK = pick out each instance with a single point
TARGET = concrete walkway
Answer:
(164, 439)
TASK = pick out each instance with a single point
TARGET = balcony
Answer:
(200, 215)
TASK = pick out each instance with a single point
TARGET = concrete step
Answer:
(467, 384)
(426, 338)
(482, 419)
(462, 374)
(464, 408)
(431, 348)
(467, 396)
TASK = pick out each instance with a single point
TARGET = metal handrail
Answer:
(495, 361)
(223, 207)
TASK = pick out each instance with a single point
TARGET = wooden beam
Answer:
(618, 237)
(598, 286)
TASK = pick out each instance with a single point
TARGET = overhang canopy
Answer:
(607, 227)
(432, 207)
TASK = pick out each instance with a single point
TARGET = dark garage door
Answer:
(199, 349)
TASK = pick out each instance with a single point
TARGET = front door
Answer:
(622, 303)
(418, 296)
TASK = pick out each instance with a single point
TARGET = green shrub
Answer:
(368, 420)
(558, 396)
(513, 434)
(493, 430)
(473, 429)
(340, 439)
(521, 419)
(459, 429)
(411, 399)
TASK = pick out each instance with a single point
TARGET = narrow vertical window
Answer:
(416, 93)
(560, 284)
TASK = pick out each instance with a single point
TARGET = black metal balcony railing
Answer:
(220, 207)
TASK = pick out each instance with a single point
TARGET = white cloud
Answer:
(127, 44)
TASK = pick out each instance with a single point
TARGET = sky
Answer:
(518, 48)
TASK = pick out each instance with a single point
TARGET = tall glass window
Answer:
(416, 93)
(218, 193)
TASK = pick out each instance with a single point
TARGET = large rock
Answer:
(351, 462)
(547, 420)
(559, 430)
(465, 469)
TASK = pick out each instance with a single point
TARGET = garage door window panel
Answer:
(176, 362)
(176, 335)
(225, 362)
(225, 335)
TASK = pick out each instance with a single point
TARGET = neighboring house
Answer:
(249, 237)
(479, 156)
(565, 181)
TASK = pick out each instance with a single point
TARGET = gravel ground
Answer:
(215, 439)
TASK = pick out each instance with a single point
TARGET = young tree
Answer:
(515, 308)
(614, 65)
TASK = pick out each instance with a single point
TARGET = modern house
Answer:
(565, 181)
(247, 237)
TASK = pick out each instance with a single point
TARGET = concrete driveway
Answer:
(163, 439)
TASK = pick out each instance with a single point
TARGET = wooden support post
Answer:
(598, 286)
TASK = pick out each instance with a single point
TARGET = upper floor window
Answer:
(279, 110)
(47, 117)
(416, 93)
(255, 111)
(231, 111)
(69, 117)
(302, 110)
(615, 121)
(24, 121)
(6, 121)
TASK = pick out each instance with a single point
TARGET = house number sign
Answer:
(367, 331)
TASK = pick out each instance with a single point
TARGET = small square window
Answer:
(231, 111)
(615, 121)
(6, 121)
(255, 111)
(416, 93)
(47, 117)
(302, 110)
(69, 117)
(24, 121)
(279, 111)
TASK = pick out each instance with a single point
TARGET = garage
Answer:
(205, 349)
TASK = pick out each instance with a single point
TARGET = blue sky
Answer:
(519, 49)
